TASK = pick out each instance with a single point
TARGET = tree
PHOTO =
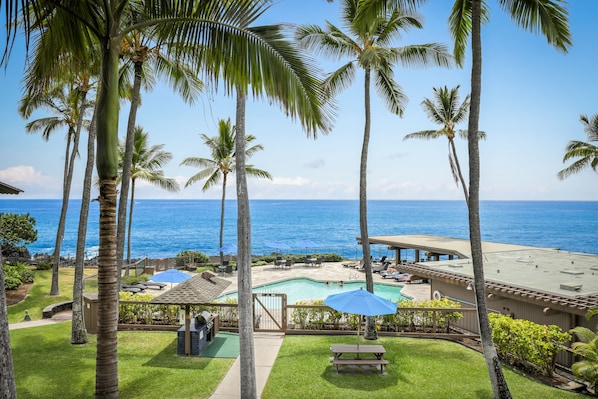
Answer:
(445, 111)
(368, 45)
(70, 105)
(222, 163)
(16, 231)
(585, 153)
(146, 163)
(143, 60)
(214, 30)
(8, 388)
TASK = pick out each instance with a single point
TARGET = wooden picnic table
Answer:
(353, 355)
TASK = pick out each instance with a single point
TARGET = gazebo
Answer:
(198, 290)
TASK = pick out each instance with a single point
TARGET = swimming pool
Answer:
(303, 288)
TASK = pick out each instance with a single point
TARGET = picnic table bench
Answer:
(357, 359)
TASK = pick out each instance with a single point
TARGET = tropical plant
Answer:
(222, 163)
(70, 106)
(143, 59)
(368, 45)
(16, 231)
(446, 111)
(146, 163)
(585, 153)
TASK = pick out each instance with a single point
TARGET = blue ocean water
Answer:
(162, 228)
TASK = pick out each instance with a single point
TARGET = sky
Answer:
(532, 98)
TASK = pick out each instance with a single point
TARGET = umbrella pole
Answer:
(358, 332)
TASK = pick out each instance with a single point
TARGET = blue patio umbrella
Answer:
(306, 244)
(360, 302)
(170, 276)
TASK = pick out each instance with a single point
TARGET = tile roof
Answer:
(202, 288)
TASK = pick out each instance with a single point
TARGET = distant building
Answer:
(543, 285)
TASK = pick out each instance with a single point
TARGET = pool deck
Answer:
(330, 271)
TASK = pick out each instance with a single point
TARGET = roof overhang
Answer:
(8, 189)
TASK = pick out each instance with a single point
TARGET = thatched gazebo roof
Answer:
(202, 288)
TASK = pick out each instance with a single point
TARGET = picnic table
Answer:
(354, 355)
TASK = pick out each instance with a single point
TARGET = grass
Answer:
(418, 369)
(39, 294)
(48, 366)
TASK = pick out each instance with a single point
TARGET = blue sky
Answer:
(532, 97)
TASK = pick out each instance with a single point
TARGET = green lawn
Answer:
(48, 366)
(418, 369)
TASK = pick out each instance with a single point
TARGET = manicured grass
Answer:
(48, 366)
(39, 294)
(418, 369)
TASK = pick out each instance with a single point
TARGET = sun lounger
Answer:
(153, 284)
(132, 288)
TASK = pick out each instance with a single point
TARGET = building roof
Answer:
(199, 289)
(441, 245)
(8, 189)
(560, 280)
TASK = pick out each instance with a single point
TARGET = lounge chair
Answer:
(379, 268)
(390, 275)
(403, 278)
(154, 284)
(132, 288)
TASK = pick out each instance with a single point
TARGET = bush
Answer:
(16, 275)
(11, 283)
(44, 266)
(526, 344)
(194, 256)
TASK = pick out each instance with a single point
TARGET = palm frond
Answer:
(424, 55)
(390, 91)
(424, 135)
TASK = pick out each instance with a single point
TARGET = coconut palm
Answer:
(146, 165)
(222, 163)
(368, 45)
(69, 103)
(143, 60)
(215, 30)
(587, 348)
(446, 111)
(585, 153)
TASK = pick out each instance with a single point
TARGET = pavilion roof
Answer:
(202, 288)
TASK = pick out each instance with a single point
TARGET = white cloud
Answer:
(316, 163)
(22, 174)
(290, 181)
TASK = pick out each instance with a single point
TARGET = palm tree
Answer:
(446, 112)
(587, 348)
(368, 45)
(143, 60)
(215, 30)
(222, 163)
(586, 153)
(145, 165)
(8, 388)
(69, 104)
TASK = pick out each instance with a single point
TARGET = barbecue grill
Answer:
(203, 328)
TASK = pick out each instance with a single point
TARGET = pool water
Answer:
(302, 288)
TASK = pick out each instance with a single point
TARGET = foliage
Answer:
(527, 344)
(15, 276)
(16, 230)
(196, 256)
(587, 348)
(135, 313)
(584, 154)
(43, 266)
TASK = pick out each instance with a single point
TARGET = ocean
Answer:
(163, 228)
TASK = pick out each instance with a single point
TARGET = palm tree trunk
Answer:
(370, 325)
(247, 352)
(499, 384)
(126, 172)
(68, 178)
(224, 178)
(8, 388)
(78, 331)
(130, 225)
(107, 167)
(458, 165)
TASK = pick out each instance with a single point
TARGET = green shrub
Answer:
(526, 344)
(43, 266)
(11, 283)
(18, 274)
(193, 256)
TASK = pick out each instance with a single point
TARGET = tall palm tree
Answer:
(224, 48)
(368, 45)
(146, 165)
(222, 163)
(69, 103)
(143, 59)
(585, 153)
(446, 111)
(8, 387)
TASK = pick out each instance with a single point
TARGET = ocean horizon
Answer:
(163, 228)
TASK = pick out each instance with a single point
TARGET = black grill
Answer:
(202, 332)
